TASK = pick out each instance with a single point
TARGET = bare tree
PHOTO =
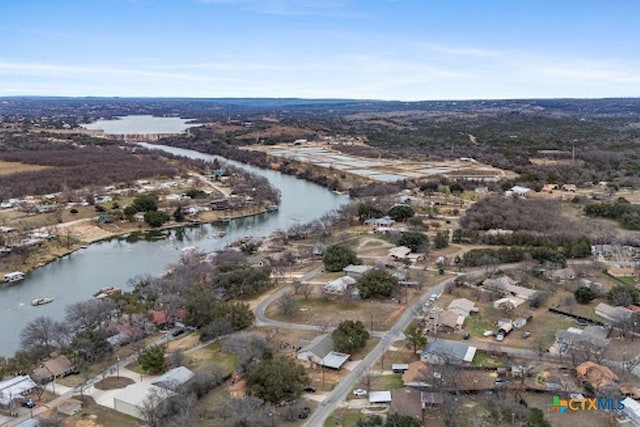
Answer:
(249, 411)
(89, 314)
(43, 332)
(287, 305)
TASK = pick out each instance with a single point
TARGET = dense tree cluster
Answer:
(338, 256)
(627, 214)
(77, 167)
(414, 240)
(479, 257)
(377, 283)
(350, 336)
(277, 379)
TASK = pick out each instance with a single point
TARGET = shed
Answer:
(399, 368)
(70, 407)
(380, 397)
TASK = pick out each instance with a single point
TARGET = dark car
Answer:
(28, 403)
(310, 389)
(177, 332)
(304, 412)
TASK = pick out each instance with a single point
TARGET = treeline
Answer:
(571, 246)
(489, 257)
(516, 214)
(626, 213)
(78, 168)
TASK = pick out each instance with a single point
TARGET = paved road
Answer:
(339, 393)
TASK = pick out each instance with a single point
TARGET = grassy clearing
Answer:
(9, 168)
(213, 353)
(486, 360)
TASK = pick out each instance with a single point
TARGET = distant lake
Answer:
(140, 125)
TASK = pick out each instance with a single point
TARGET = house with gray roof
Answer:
(174, 378)
(320, 351)
(442, 351)
(614, 314)
(357, 271)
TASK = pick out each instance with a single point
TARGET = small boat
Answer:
(272, 208)
(14, 277)
(189, 250)
(41, 301)
(106, 291)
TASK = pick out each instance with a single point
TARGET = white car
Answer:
(359, 392)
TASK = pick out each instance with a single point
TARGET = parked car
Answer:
(500, 337)
(310, 389)
(466, 336)
(359, 392)
(177, 332)
(28, 403)
(526, 334)
(488, 334)
(304, 412)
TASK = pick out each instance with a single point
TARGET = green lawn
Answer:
(485, 360)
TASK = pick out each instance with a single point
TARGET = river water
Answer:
(112, 263)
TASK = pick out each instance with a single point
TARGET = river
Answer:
(112, 263)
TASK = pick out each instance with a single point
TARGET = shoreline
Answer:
(51, 257)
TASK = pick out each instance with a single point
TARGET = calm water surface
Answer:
(112, 263)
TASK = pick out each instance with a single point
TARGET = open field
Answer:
(9, 168)
(321, 311)
(383, 170)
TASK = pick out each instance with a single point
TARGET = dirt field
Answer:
(320, 311)
(8, 168)
(380, 169)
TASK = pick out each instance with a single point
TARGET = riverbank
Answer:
(82, 233)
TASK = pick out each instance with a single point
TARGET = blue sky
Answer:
(375, 49)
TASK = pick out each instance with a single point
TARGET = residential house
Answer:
(507, 286)
(15, 387)
(399, 252)
(52, 369)
(174, 379)
(462, 307)
(357, 271)
(561, 274)
(320, 351)
(384, 221)
(570, 187)
(507, 303)
(631, 411)
(419, 375)
(164, 318)
(548, 188)
(614, 314)
(449, 321)
(339, 286)
(574, 336)
(517, 190)
(621, 271)
(406, 402)
(441, 351)
(132, 399)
